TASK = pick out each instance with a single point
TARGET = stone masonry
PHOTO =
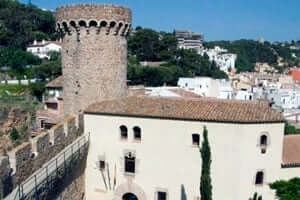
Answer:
(94, 55)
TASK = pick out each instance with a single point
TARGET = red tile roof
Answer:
(291, 150)
(230, 111)
(56, 83)
(295, 73)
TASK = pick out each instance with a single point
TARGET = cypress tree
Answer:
(205, 180)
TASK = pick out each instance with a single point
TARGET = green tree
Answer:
(287, 190)
(14, 134)
(17, 60)
(290, 129)
(205, 180)
(256, 197)
(23, 23)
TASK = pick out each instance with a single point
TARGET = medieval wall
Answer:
(25, 159)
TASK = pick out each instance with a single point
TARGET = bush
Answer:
(290, 129)
(14, 134)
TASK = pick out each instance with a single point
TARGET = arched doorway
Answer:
(129, 196)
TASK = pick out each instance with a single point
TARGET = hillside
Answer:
(21, 24)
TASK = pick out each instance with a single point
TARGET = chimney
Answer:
(43, 41)
(34, 42)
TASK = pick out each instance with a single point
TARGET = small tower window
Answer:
(161, 195)
(263, 143)
(137, 133)
(129, 163)
(259, 179)
(263, 140)
(102, 164)
(124, 132)
(196, 139)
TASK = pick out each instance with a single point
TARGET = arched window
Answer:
(196, 139)
(103, 23)
(263, 140)
(129, 163)
(259, 178)
(73, 24)
(112, 24)
(137, 133)
(82, 23)
(93, 24)
(129, 196)
(124, 132)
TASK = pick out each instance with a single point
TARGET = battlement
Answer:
(30, 156)
(110, 19)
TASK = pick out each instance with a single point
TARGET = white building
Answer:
(225, 61)
(244, 95)
(286, 98)
(189, 40)
(207, 87)
(148, 148)
(41, 49)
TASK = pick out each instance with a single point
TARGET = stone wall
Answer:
(25, 159)
(5, 180)
(94, 53)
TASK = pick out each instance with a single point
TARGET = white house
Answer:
(41, 49)
(287, 98)
(147, 148)
(225, 61)
(244, 95)
(207, 87)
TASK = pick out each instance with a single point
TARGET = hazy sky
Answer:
(275, 20)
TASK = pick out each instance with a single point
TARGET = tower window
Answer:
(161, 195)
(196, 139)
(259, 179)
(102, 164)
(137, 133)
(263, 143)
(129, 163)
(263, 140)
(124, 132)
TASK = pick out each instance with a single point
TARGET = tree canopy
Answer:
(21, 24)
(287, 190)
(205, 180)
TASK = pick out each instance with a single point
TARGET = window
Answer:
(129, 163)
(42, 124)
(124, 132)
(161, 195)
(137, 133)
(263, 140)
(263, 143)
(259, 179)
(196, 139)
(102, 164)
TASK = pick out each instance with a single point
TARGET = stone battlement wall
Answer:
(96, 12)
(107, 19)
(28, 157)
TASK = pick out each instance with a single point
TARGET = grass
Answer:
(12, 90)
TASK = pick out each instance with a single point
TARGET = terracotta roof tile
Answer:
(291, 150)
(56, 83)
(188, 109)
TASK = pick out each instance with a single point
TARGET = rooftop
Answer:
(291, 150)
(194, 109)
(56, 83)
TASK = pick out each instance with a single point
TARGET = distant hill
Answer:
(21, 24)
(250, 51)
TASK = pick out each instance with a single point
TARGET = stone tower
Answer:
(94, 53)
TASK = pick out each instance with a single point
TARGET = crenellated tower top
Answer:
(112, 19)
